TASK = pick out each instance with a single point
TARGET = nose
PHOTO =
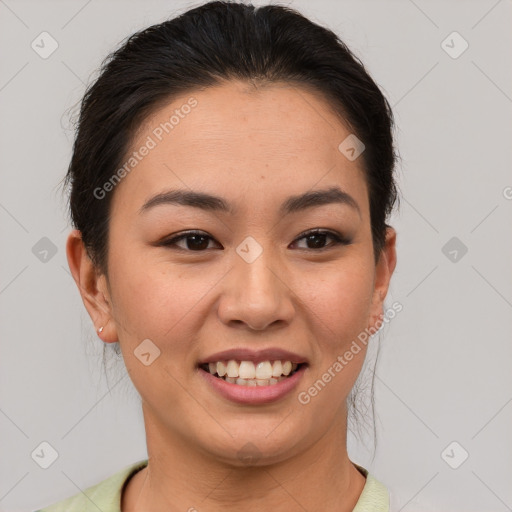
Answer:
(256, 295)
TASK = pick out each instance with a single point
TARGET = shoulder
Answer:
(375, 495)
(104, 496)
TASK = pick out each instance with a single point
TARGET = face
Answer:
(253, 277)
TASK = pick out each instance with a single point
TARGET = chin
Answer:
(252, 448)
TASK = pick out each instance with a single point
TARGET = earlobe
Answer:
(90, 284)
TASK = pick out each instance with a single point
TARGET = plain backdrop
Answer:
(443, 388)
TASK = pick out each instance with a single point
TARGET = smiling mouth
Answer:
(247, 373)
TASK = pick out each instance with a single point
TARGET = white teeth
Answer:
(255, 382)
(232, 368)
(247, 370)
(221, 369)
(277, 369)
(264, 370)
(246, 373)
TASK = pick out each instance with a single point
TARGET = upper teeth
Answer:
(248, 370)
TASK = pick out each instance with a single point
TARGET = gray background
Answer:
(444, 367)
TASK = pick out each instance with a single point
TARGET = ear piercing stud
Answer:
(100, 329)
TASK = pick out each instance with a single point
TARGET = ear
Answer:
(92, 287)
(383, 272)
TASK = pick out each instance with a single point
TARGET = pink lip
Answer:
(245, 354)
(253, 394)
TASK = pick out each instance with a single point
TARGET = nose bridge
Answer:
(256, 294)
(257, 278)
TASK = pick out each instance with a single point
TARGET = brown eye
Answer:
(193, 241)
(316, 240)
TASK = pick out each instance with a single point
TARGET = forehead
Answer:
(234, 137)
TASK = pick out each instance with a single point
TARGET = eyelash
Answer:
(338, 239)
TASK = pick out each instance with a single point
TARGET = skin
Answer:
(254, 147)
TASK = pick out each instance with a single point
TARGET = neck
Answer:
(182, 477)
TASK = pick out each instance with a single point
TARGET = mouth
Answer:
(252, 373)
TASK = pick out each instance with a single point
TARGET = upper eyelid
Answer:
(300, 235)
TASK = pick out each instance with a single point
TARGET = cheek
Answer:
(341, 306)
(156, 301)
(342, 302)
(163, 307)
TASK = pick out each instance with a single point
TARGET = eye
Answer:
(195, 241)
(316, 238)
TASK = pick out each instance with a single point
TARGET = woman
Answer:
(231, 178)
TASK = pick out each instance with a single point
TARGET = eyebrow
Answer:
(208, 202)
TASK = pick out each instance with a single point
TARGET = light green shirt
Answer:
(106, 495)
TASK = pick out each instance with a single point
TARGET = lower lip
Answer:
(253, 394)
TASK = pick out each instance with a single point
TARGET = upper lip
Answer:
(246, 354)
